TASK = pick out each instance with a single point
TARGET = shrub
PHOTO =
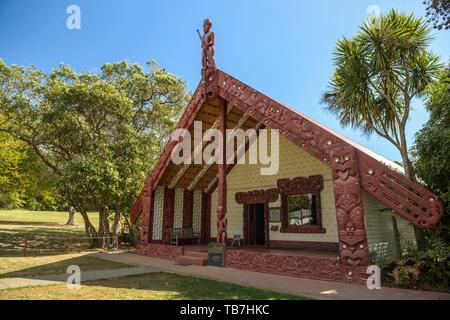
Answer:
(428, 266)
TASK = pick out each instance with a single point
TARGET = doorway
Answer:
(256, 224)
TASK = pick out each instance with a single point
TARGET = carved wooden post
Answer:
(168, 209)
(222, 186)
(353, 245)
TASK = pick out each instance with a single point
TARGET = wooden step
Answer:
(196, 254)
(191, 260)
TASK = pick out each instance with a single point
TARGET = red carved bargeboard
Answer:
(161, 251)
(323, 268)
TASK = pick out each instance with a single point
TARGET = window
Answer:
(302, 210)
(300, 205)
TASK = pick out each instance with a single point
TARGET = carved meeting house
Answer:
(331, 203)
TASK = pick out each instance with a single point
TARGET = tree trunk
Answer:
(90, 230)
(410, 173)
(398, 246)
(71, 220)
(115, 228)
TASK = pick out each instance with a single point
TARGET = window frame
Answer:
(301, 186)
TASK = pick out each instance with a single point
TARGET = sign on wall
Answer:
(274, 214)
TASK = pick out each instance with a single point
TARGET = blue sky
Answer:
(282, 48)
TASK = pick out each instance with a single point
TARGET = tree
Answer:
(11, 182)
(100, 133)
(377, 75)
(432, 147)
(438, 13)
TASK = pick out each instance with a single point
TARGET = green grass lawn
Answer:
(43, 217)
(153, 286)
(47, 234)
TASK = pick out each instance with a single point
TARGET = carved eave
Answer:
(409, 199)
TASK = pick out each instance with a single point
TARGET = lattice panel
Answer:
(158, 213)
(196, 216)
(178, 210)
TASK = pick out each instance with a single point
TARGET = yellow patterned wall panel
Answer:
(178, 209)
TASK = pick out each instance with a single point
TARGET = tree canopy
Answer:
(100, 133)
(377, 75)
(432, 145)
(438, 13)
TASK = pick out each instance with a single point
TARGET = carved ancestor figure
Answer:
(221, 226)
(208, 62)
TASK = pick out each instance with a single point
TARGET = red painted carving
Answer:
(222, 184)
(161, 251)
(208, 60)
(409, 199)
(257, 196)
(188, 208)
(323, 268)
(301, 185)
(168, 209)
(305, 245)
(349, 213)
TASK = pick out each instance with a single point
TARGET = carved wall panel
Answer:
(178, 208)
(197, 210)
(158, 210)
(323, 268)
(188, 206)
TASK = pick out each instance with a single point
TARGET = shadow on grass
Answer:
(31, 223)
(86, 263)
(30, 241)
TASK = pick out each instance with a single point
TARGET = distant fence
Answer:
(24, 245)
